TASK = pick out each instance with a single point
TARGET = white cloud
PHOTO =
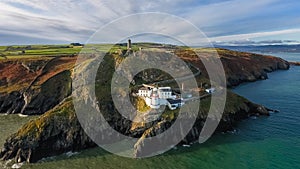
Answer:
(218, 13)
(254, 35)
(76, 20)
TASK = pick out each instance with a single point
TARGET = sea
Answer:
(263, 142)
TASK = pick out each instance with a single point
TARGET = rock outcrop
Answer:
(39, 99)
(239, 66)
(295, 63)
(245, 67)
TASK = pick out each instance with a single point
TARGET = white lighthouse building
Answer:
(156, 97)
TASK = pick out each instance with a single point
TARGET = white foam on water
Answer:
(70, 153)
(22, 115)
(17, 165)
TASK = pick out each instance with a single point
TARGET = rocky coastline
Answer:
(58, 131)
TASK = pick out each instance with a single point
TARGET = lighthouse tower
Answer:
(155, 99)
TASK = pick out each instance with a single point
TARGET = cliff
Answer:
(239, 66)
(34, 86)
(58, 130)
(53, 133)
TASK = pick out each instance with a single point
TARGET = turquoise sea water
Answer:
(264, 142)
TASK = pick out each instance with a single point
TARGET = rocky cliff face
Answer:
(40, 99)
(251, 67)
(34, 87)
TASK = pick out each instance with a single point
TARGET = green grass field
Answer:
(38, 51)
(31, 51)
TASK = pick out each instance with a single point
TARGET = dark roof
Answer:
(174, 101)
(165, 90)
(144, 88)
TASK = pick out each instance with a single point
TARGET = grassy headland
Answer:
(33, 73)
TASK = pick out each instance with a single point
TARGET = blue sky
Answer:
(229, 22)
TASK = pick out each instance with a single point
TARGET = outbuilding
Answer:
(210, 90)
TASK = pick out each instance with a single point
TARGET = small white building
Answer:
(156, 97)
(210, 90)
(144, 92)
(174, 103)
(165, 92)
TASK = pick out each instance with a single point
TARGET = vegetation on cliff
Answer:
(30, 86)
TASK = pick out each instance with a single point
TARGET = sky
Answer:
(224, 22)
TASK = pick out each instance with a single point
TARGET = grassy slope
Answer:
(38, 50)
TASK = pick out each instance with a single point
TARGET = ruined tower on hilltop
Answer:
(129, 44)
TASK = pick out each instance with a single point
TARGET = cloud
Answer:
(249, 42)
(77, 20)
(254, 35)
(224, 12)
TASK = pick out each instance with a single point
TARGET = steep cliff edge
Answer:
(34, 87)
